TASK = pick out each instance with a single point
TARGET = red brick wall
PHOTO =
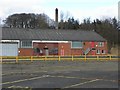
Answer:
(88, 44)
(103, 48)
(25, 51)
(66, 47)
(79, 51)
(76, 51)
(41, 46)
(68, 50)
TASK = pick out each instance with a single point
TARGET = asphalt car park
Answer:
(60, 74)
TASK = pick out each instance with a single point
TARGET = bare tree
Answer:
(61, 16)
(61, 20)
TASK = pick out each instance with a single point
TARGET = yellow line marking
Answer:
(81, 83)
(44, 76)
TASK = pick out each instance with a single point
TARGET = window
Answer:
(76, 44)
(93, 48)
(98, 51)
(26, 44)
(84, 43)
(36, 50)
(54, 51)
(103, 51)
(100, 44)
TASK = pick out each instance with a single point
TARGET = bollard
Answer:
(110, 57)
(72, 58)
(59, 58)
(1, 59)
(97, 57)
(31, 58)
(16, 59)
(85, 58)
(45, 58)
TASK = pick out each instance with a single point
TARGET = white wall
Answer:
(9, 49)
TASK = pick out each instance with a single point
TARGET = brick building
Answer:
(29, 42)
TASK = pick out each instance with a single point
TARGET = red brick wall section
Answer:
(68, 50)
(79, 51)
(76, 52)
(41, 46)
(103, 48)
(25, 52)
(66, 47)
(88, 44)
(63, 49)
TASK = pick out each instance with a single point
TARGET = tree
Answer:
(106, 27)
(61, 20)
(86, 25)
(30, 20)
(71, 23)
(114, 22)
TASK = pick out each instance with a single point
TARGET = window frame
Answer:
(104, 51)
(80, 42)
(26, 44)
(97, 51)
(100, 44)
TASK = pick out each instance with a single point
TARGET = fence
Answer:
(16, 59)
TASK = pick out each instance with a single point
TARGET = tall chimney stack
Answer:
(56, 18)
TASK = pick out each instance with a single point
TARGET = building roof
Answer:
(51, 35)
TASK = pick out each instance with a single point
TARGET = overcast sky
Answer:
(79, 9)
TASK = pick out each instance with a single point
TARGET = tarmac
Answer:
(60, 74)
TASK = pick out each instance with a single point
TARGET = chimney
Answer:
(56, 18)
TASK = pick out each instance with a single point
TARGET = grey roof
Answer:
(50, 34)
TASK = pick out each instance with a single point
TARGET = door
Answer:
(9, 49)
(62, 52)
(46, 52)
(93, 46)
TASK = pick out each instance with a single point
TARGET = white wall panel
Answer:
(9, 49)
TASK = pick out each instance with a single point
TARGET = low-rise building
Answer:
(30, 42)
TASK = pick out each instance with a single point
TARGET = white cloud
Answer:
(8, 7)
(13, 6)
(119, 11)
(99, 12)
(110, 11)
